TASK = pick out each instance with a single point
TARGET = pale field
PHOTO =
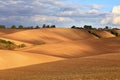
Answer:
(60, 54)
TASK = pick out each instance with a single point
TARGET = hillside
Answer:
(118, 31)
(41, 36)
(61, 54)
(12, 59)
(9, 31)
(98, 67)
(78, 48)
(103, 33)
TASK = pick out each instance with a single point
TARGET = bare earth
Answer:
(60, 54)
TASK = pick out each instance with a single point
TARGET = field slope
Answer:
(60, 54)
(100, 67)
(12, 59)
(39, 36)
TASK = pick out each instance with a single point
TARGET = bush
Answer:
(114, 32)
(21, 46)
(5, 42)
(8, 45)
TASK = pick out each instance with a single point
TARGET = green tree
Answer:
(2, 27)
(13, 27)
(53, 26)
(73, 27)
(20, 27)
(106, 27)
(47, 26)
(87, 27)
(37, 27)
(44, 26)
(31, 27)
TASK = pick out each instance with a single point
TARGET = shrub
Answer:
(21, 46)
(5, 42)
(8, 45)
(114, 32)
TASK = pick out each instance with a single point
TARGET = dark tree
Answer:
(2, 27)
(44, 26)
(37, 27)
(87, 27)
(20, 27)
(13, 27)
(106, 27)
(73, 27)
(47, 26)
(31, 27)
(53, 26)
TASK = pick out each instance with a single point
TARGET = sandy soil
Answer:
(40, 36)
(12, 59)
(104, 34)
(80, 48)
(118, 31)
(59, 50)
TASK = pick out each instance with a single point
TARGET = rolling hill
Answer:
(78, 48)
(41, 36)
(103, 33)
(98, 67)
(60, 54)
(12, 59)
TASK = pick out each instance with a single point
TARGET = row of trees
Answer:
(92, 30)
(23, 27)
(48, 26)
(90, 27)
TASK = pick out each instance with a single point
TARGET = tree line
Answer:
(30, 27)
(91, 30)
(89, 27)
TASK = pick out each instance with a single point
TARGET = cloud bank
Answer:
(113, 18)
(59, 12)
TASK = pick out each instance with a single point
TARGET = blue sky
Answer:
(99, 2)
(62, 13)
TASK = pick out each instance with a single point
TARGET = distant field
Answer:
(103, 67)
(60, 54)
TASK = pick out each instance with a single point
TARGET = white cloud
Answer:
(116, 10)
(114, 17)
(116, 20)
(93, 11)
(94, 6)
(59, 12)
(42, 18)
(3, 19)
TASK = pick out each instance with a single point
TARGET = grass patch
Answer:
(8, 45)
(21, 46)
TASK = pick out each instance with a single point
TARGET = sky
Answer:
(62, 13)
